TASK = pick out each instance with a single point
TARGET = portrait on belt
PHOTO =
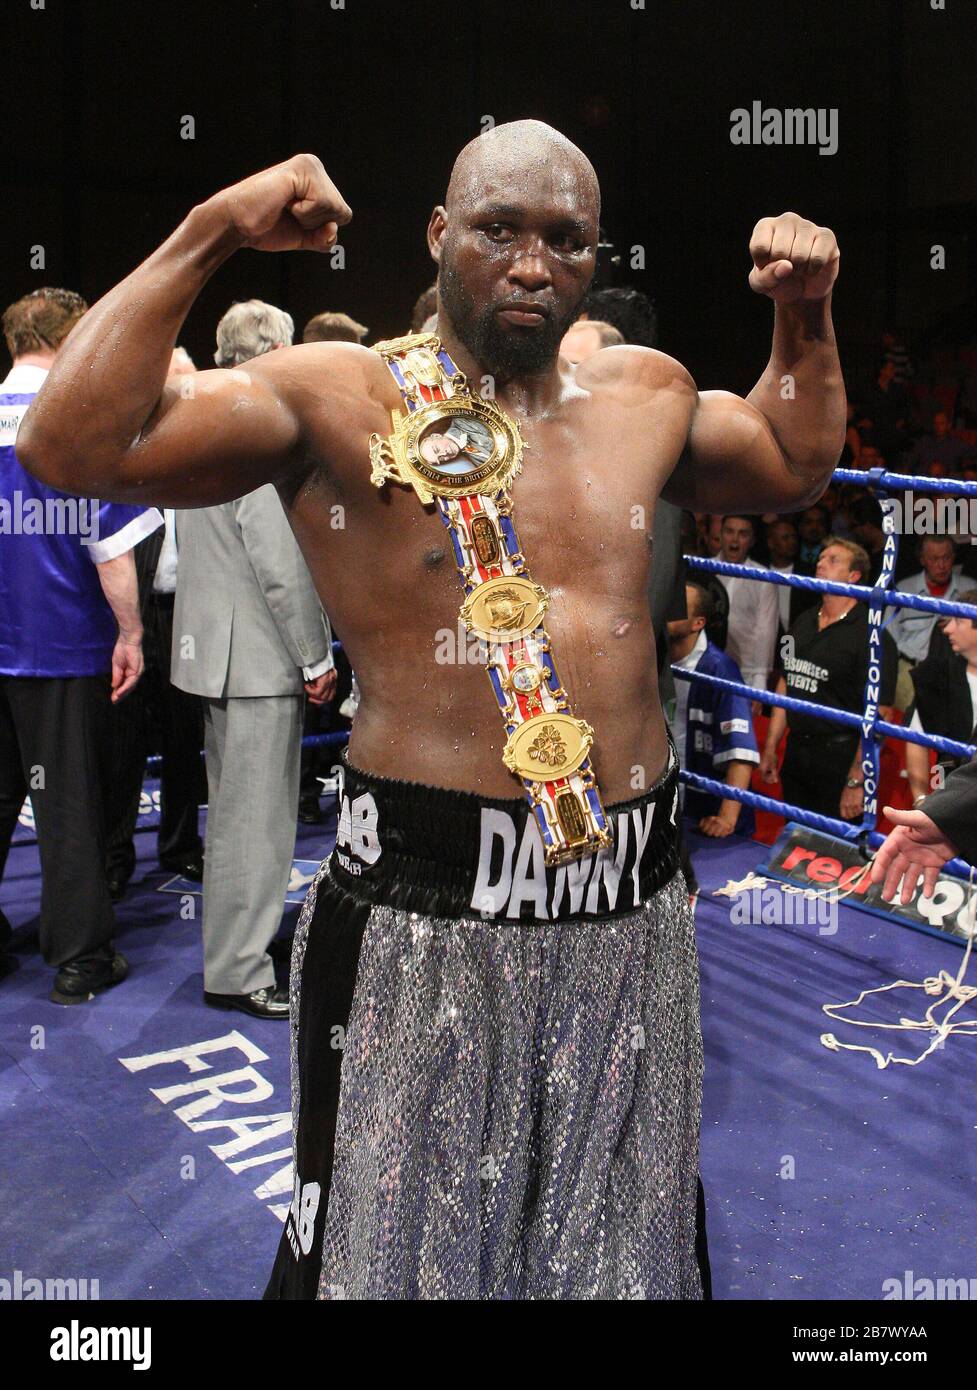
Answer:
(457, 444)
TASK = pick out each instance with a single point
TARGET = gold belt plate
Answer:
(451, 448)
(505, 608)
(548, 746)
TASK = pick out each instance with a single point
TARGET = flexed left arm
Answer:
(775, 450)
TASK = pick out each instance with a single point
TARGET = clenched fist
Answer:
(293, 206)
(793, 258)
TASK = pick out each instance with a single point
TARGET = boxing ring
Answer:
(871, 727)
(819, 1184)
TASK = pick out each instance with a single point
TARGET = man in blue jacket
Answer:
(70, 638)
(712, 728)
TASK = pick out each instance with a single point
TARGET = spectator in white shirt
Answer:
(753, 606)
(158, 715)
(164, 580)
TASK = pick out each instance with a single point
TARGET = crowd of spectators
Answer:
(917, 421)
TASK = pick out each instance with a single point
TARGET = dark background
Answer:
(386, 94)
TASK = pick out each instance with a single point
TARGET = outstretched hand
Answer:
(916, 847)
(793, 258)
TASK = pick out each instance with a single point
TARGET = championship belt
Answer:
(463, 452)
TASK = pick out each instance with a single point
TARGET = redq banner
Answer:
(812, 859)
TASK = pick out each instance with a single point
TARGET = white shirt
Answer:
(164, 580)
(679, 719)
(754, 612)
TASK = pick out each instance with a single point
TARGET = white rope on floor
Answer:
(950, 989)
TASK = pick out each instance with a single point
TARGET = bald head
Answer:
(516, 245)
(522, 155)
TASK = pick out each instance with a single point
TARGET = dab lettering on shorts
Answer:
(357, 830)
(300, 1226)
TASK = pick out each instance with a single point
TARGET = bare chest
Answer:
(583, 502)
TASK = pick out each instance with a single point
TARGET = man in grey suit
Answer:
(249, 636)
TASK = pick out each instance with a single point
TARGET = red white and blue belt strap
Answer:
(462, 452)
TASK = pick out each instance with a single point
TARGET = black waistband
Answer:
(455, 854)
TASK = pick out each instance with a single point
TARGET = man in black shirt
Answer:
(945, 686)
(825, 658)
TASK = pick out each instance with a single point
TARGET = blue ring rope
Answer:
(837, 716)
(879, 597)
(842, 830)
(904, 482)
(891, 597)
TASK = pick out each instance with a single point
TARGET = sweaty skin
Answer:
(605, 440)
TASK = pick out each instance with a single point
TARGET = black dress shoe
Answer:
(263, 1003)
(310, 812)
(79, 980)
(189, 866)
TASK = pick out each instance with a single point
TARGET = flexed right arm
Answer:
(105, 424)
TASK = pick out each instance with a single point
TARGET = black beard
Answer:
(503, 353)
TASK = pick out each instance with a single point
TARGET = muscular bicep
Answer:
(731, 459)
(213, 436)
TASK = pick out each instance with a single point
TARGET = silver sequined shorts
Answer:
(487, 1107)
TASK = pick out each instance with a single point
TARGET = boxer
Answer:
(496, 1046)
